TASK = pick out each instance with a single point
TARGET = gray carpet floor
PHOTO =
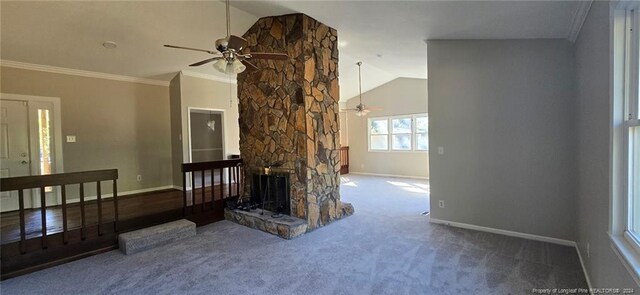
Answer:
(386, 247)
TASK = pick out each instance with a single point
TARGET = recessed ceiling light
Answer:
(109, 45)
(342, 43)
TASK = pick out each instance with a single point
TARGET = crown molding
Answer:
(209, 77)
(578, 19)
(82, 73)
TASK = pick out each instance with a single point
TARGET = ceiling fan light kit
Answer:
(229, 68)
(362, 112)
(230, 59)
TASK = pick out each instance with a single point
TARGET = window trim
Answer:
(625, 80)
(390, 133)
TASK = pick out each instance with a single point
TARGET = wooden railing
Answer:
(344, 160)
(196, 206)
(41, 182)
(54, 246)
(80, 235)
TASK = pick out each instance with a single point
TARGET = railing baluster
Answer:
(213, 198)
(115, 205)
(237, 173)
(229, 178)
(43, 209)
(82, 217)
(99, 193)
(202, 186)
(64, 214)
(184, 193)
(193, 192)
(221, 184)
(22, 225)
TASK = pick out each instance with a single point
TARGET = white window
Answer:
(422, 133)
(399, 133)
(631, 132)
(378, 134)
(625, 212)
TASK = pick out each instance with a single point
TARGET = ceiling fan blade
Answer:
(205, 61)
(264, 55)
(236, 43)
(189, 48)
(249, 64)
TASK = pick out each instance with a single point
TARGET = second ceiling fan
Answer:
(360, 109)
(230, 59)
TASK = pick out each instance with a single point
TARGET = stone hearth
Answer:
(287, 227)
(289, 113)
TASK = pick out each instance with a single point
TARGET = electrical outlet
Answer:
(441, 203)
(588, 250)
(71, 138)
(139, 178)
(440, 150)
(361, 165)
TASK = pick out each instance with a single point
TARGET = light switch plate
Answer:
(71, 138)
(440, 150)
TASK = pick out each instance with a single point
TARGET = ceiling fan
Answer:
(230, 59)
(361, 109)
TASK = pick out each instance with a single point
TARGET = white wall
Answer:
(504, 112)
(593, 121)
(401, 96)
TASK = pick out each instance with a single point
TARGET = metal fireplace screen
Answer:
(272, 192)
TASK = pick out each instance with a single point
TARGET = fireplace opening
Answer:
(270, 191)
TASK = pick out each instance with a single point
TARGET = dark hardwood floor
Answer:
(130, 207)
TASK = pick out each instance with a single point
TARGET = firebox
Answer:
(270, 189)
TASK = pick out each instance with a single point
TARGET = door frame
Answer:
(222, 125)
(221, 112)
(57, 137)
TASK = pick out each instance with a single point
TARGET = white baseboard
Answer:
(388, 175)
(584, 269)
(505, 232)
(520, 235)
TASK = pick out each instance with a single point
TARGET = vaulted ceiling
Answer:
(388, 36)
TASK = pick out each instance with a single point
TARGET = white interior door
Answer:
(14, 149)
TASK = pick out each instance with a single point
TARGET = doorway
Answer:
(206, 140)
(30, 144)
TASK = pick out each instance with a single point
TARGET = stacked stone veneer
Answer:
(289, 113)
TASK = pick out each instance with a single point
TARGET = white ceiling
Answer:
(388, 36)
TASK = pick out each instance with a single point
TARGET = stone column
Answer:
(289, 112)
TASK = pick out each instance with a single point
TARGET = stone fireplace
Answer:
(289, 114)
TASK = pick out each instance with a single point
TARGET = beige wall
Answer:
(593, 124)
(344, 130)
(399, 97)
(117, 124)
(175, 106)
(209, 94)
(504, 112)
(194, 92)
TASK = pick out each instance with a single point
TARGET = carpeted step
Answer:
(151, 237)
